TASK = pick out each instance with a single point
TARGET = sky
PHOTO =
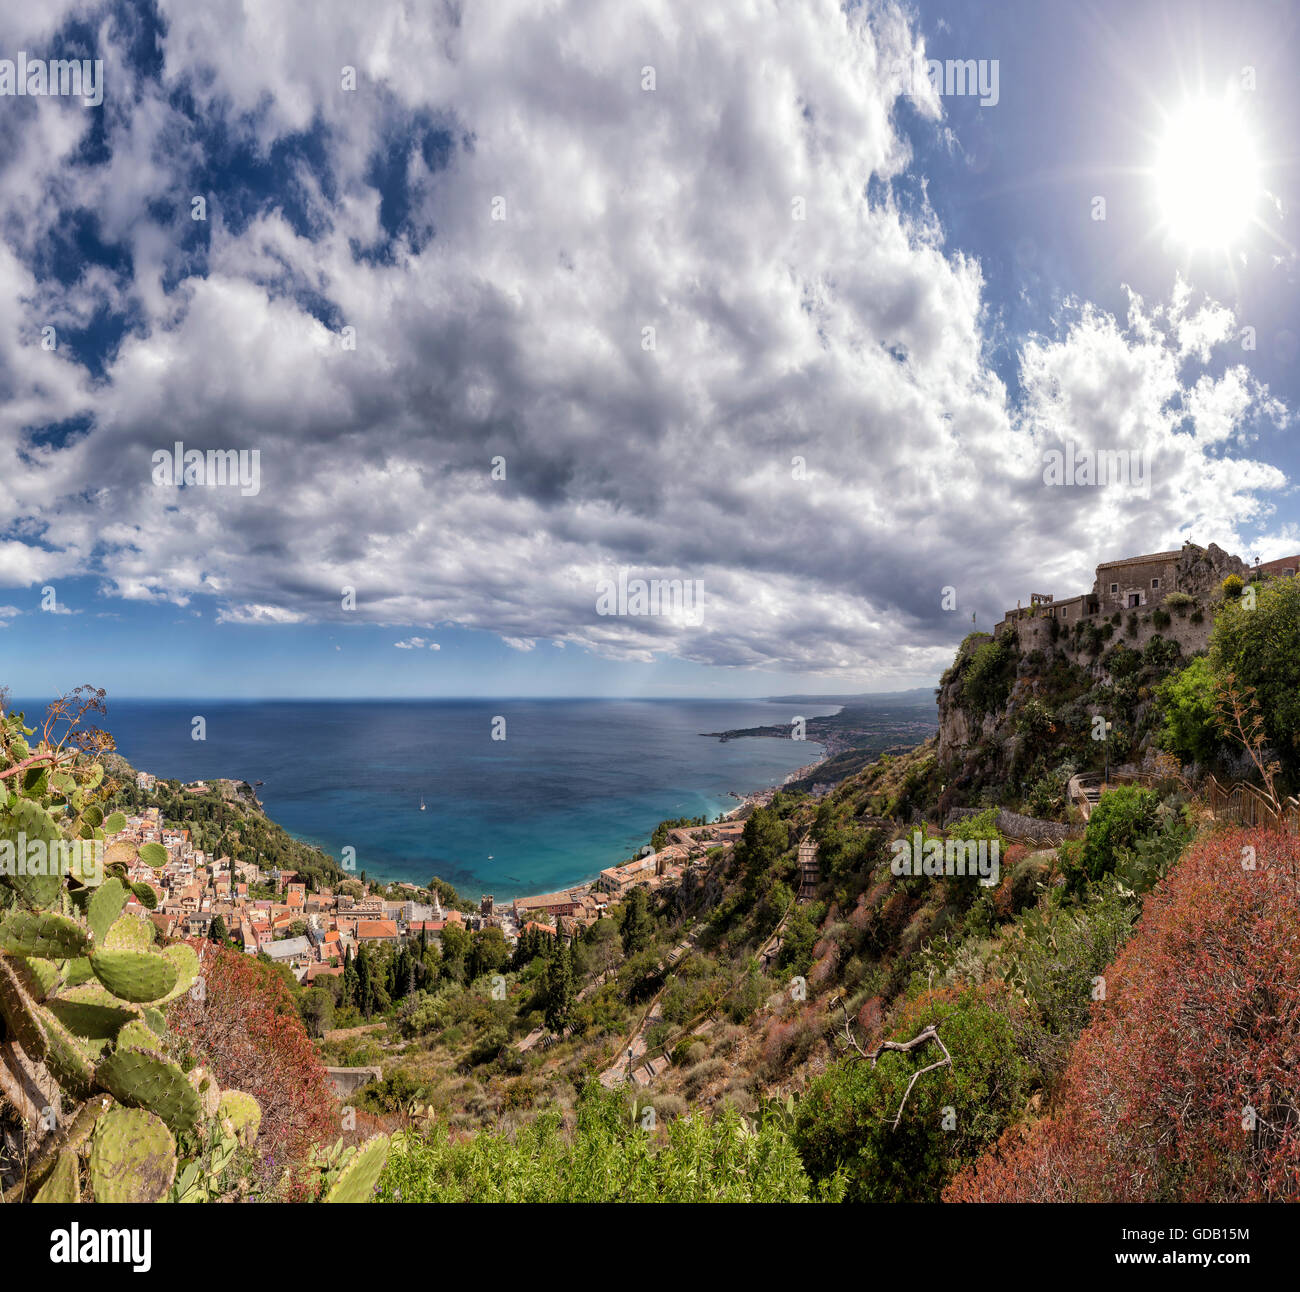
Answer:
(499, 305)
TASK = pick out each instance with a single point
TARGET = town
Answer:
(273, 912)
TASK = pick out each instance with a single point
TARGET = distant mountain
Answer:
(921, 695)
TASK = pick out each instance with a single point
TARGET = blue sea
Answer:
(577, 785)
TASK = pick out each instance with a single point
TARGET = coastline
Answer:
(746, 801)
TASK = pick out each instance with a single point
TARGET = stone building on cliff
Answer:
(1168, 593)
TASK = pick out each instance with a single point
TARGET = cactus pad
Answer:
(68, 1062)
(240, 1115)
(140, 976)
(132, 1158)
(19, 1010)
(140, 1079)
(139, 1034)
(63, 1184)
(104, 907)
(206, 1088)
(357, 1180)
(26, 933)
(154, 854)
(187, 969)
(89, 1011)
(129, 933)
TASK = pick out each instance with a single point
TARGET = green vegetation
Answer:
(988, 675)
(1256, 639)
(849, 1128)
(1187, 700)
(1121, 818)
(615, 1153)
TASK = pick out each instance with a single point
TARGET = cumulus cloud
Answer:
(502, 319)
(417, 643)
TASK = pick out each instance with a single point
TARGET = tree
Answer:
(898, 1128)
(455, 951)
(1256, 638)
(348, 996)
(557, 988)
(316, 1006)
(217, 930)
(1187, 701)
(759, 848)
(366, 996)
(635, 922)
(489, 953)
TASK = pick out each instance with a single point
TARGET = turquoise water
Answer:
(577, 785)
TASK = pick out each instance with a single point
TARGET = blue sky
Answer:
(506, 305)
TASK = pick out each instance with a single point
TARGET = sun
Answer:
(1207, 174)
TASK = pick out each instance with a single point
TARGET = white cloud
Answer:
(853, 339)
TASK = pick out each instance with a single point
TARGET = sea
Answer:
(574, 786)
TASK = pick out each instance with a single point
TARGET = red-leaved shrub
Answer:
(247, 1032)
(1186, 1084)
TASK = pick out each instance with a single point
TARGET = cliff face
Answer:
(978, 698)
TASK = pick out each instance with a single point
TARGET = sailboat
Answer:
(421, 802)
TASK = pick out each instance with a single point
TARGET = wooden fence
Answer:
(1240, 802)
(1246, 804)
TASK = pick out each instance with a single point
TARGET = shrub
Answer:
(700, 1075)
(1122, 817)
(989, 676)
(845, 1123)
(1184, 1086)
(1261, 647)
(1160, 653)
(247, 1031)
(608, 1158)
(1190, 729)
(1232, 586)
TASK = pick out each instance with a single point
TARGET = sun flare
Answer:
(1207, 174)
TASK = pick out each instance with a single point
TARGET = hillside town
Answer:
(272, 912)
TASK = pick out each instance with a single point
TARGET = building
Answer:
(546, 904)
(1170, 594)
(288, 950)
(375, 932)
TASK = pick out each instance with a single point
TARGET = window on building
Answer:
(1155, 583)
(1114, 587)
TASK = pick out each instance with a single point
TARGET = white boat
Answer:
(421, 802)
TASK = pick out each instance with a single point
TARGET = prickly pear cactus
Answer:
(240, 1115)
(132, 1157)
(82, 983)
(83, 987)
(63, 1184)
(356, 1181)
